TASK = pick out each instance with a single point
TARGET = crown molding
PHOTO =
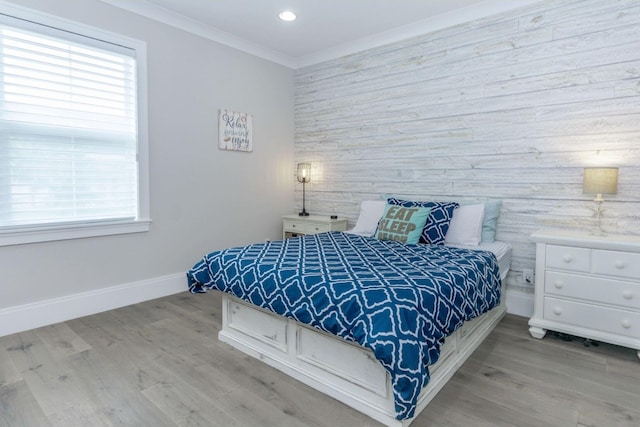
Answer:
(459, 16)
(160, 14)
(449, 19)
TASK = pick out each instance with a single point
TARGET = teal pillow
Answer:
(491, 214)
(402, 224)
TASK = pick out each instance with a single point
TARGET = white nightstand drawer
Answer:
(293, 225)
(318, 228)
(306, 227)
(596, 289)
(605, 319)
(568, 258)
(623, 264)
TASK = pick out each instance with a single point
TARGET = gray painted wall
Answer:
(202, 198)
(510, 107)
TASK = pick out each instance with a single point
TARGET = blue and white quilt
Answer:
(398, 300)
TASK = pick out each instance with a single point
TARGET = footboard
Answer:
(343, 370)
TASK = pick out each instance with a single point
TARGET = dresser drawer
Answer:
(613, 263)
(596, 289)
(312, 224)
(600, 318)
(468, 327)
(350, 362)
(313, 228)
(306, 227)
(293, 225)
(568, 258)
(257, 324)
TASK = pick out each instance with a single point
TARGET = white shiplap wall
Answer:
(510, 107)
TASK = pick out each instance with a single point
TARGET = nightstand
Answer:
(295, 225)
(587, 286)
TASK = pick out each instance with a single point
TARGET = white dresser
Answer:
(587, 286)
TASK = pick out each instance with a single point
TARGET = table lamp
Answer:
(304, 176)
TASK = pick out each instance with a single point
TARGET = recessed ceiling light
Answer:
(287, 15)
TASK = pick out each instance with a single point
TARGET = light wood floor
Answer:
(159, 363)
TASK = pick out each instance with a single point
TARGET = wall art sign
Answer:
(235, 131)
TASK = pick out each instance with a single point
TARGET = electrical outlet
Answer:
(527, 276)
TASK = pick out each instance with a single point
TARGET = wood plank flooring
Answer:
(159, 363)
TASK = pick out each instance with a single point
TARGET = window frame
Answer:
(83, 229)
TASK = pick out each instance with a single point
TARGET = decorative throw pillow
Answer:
(466, 225)
(403, 224)
(370, 213)
(491, 214)
(435, 230)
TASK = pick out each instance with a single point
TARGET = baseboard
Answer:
(519, 303)
(47, 312)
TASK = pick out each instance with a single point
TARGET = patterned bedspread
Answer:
(398, 300)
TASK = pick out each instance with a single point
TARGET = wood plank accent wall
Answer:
(509, 107)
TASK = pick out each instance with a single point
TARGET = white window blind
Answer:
(68, 137)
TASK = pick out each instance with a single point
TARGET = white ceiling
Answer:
(325, 29)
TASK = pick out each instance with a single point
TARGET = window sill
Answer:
(19, 236)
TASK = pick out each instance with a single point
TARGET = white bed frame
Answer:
(343, 370)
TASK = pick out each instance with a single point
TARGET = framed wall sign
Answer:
(235, 131)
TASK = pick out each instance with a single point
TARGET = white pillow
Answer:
(370, 213)
(466, 225)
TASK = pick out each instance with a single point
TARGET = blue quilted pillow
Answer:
(438, 221)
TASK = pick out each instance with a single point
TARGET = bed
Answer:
(377, 324)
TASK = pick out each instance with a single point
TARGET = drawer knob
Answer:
(627, 294)
(626, 324)
(317, 228)
(619, 264)
(559, 284)
(567, 258)
(293, 225)
(557, 311)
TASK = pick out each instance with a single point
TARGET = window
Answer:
(73, 149)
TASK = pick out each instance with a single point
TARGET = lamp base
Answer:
(304, 213)
(598, 212)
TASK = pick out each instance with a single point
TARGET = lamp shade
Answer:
(304, 172)
(600, 181)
